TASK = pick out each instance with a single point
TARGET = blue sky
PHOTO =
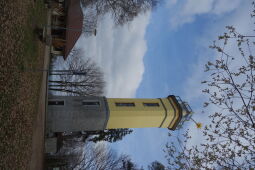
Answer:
(172, 54)
(160, 53)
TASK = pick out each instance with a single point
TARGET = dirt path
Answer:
(37, 156)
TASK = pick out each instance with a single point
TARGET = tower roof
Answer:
(185, 111)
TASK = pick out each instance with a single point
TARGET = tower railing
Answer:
(186, 110)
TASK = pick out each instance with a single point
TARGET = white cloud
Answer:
(119, 51)
(223, 6)
(241, 20)
(170, 3)
(193, 7)
(186, 11)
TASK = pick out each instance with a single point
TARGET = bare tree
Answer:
(78, 155)
(82, 77)
(230, 136)
(69, 154)
(90, 22)
(128, 164)
(122, 11)
(99, 157)
(156, 165)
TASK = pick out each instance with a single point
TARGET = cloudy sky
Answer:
(163, 52)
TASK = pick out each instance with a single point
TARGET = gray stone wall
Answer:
(77, 113)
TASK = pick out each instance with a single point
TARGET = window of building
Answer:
(56, 102)
(151, 104)
(91, 103)
(125, 104)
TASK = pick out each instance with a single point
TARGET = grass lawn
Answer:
(19, 90)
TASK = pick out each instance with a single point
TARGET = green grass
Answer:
(30, 47)
(19, 90)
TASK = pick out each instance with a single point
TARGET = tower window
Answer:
(125, 104)
(91, 103)
(151, 104)
(56, 102)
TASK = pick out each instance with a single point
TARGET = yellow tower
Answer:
(142, 113)
(92, 113)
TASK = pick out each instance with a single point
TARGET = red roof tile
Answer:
(73, 26)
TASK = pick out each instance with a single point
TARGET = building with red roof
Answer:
(67, 24)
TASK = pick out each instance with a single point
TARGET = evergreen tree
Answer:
(109, 135)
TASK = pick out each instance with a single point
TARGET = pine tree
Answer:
(110, 135)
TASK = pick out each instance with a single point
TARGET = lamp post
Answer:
(94, 32)
(68, 72)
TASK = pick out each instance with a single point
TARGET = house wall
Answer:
(58, 25)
